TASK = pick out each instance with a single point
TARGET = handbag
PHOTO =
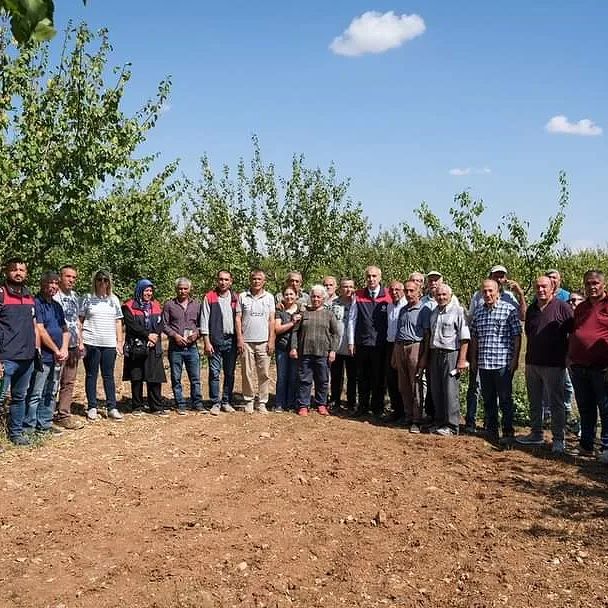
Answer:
(136, 348)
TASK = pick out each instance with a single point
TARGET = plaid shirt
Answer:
(495, 328)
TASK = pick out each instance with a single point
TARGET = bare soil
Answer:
(276, 511)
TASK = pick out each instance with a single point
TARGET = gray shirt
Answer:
(448, 327)
(256, 312)
(409, 325)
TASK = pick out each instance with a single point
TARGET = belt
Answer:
(408, 342)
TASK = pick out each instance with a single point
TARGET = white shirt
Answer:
(256, 311)
(99, 320)
(392, 311)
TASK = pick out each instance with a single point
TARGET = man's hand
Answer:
(332, 356)
(180, 340)
(240, 345)
(351, 350)
(462, 365)
(423, 363)
(209, 350)
(293, 353)
(270, 347)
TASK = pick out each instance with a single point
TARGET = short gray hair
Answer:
(183, 281)
(445, 286)
(319, 289)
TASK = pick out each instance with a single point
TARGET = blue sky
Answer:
(471, 94)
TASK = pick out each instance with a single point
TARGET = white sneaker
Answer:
(559, 446)
(92, 414)
(226, 407)
(215, 410)
(114, 414)
(249, 407)
(415, 429)
(262, 408)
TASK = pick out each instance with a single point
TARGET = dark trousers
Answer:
(497, 387)
(312, 368)
(392, 382)
(223, 357)
(341, 363)
(591, 396)
(154, 397)
(96, 358)
(371, 371)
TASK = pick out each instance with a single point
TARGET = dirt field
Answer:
(276, 511)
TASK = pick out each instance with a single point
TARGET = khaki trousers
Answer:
(66, 385)
(255, 363)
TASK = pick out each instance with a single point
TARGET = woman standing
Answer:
(101, 338)
(143, 348)
(314, 345)
(286, 319)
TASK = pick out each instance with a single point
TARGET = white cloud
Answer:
(458, 172)
(561, 124)
(375, 32)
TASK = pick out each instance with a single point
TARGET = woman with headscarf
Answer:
(143, 349)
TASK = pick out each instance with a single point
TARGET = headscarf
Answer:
(138, 298)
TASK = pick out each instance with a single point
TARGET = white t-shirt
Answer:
(99, 320)
(255, 311)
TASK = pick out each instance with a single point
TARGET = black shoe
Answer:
(159, 413)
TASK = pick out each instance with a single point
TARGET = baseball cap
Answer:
(551, 271)
(434, 273)
(498, 268)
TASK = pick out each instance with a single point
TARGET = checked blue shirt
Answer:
(494, 328)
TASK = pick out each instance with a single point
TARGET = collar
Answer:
(23, 292)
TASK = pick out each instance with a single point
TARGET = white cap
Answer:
(498, 268)
(434, 273)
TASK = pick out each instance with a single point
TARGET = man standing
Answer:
(367, 341)
(181, 322)
(445, 351)
(556, 278)
(255, 339)
(511, 293)
(495, 344)
(392, 379)
(588, 354)
(54, 341)
(331, 285)
(341, 308)
(19, 343)
(406, 355)
(218, 330)
(548, 321)
(67, 298)
(293, 280)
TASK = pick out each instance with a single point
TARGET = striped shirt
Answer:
(99, 316)
(494, 328)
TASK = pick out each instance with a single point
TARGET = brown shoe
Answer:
(70, 423)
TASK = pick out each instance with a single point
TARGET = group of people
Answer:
(412, 339)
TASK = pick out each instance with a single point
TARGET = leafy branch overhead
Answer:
(31, 20)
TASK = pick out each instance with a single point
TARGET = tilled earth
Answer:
(276, 511)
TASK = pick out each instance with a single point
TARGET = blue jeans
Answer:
(223, 357)
(17, 374)
(313, 368)
(287, 378)
(497, 387)
(40, 401)
(190, 358)
(96, 358)
(591, 395)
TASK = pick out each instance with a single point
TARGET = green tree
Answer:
(68, 151)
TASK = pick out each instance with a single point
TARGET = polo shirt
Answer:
(505, 295)
(494, 328)
(547, 333)
(255, 313)
(50, 315)
(410, 327)
(589, 338)
(448, 327)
